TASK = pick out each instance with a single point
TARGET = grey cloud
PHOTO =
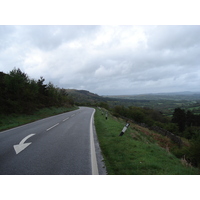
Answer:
(106, 59)
(51, 37)
(6, 36)
(174, 37)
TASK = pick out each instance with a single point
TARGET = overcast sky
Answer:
(103, 59)
(106, 59)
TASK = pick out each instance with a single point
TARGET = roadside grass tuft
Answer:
(136, 152)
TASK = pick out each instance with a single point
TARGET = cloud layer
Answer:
(106, 59)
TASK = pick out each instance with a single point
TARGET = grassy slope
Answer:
(135, 153)
(11, 121)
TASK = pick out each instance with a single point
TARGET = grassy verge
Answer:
(135, 153)
(14, 120)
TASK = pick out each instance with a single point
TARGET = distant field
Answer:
(188, 96)
(164, 103)
(194, 108)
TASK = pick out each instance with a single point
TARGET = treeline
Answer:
(141, 115)
(189, 127)
(182, 123)
(187, 122)
(23, 95)
(146, 116)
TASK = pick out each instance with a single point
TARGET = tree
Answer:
(20, 94)
(189, 118)
(42, 95)
(15, 86)
(104, 105)
(119, 110)
(179, 117)
(135, 113)
(2, 93)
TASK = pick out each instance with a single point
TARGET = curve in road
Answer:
(62, 144)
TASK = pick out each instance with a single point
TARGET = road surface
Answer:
(58, 145)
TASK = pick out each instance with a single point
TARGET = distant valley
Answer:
(163, 102)
(176, 96)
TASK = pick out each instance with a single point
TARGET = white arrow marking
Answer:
(21, 146)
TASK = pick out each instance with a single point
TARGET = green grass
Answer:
(128, 155)
(14, 120)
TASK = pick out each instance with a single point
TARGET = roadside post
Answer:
(106, 115)
(124, 129)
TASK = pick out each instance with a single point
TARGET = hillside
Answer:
(84, 96)
(139, 151)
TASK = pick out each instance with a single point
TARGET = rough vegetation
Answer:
(139, 151)
(182, 126)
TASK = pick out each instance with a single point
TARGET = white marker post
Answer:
(124, 129)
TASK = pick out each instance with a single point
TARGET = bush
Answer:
(194, 151)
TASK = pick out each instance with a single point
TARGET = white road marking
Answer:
(65, 119)
(21, 146)
(95, 170)
(52, 127)
(72, 115)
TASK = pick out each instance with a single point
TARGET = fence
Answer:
(170, 135)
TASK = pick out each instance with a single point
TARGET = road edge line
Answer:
(94, 165)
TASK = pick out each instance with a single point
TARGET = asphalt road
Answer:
(58, 145)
